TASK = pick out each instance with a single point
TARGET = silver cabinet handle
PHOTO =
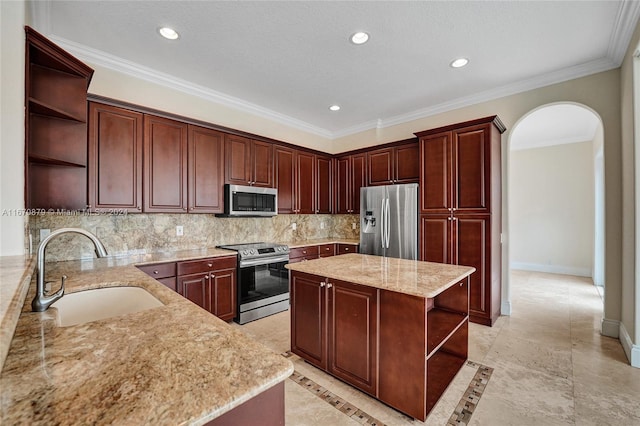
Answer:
(156, 272)
(329, 285)
(209, 265)
(322, 284)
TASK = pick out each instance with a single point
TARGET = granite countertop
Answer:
(423, 279)
(174, 364)
(320, 241)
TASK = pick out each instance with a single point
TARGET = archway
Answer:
(544, 136)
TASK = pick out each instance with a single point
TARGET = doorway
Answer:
(556, 193)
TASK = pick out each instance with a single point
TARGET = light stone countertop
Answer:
(320, 241)
(423, 279)
(175, 364)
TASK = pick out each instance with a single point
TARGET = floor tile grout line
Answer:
(460, 416)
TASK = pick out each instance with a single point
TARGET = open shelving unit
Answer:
(56, 86)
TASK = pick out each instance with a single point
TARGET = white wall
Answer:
(599, 212)
(12, 19)
(551, 207)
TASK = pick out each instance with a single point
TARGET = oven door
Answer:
(262, 284)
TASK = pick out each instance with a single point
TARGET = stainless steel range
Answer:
(263, 281)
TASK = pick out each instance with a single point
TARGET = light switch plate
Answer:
(44, 233)
(294, 226)
(179, 231)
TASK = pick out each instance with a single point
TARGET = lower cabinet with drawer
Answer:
(210, 284)
(163, 272)
(300, 254)
(342, 248)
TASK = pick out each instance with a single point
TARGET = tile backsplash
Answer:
(149, 233)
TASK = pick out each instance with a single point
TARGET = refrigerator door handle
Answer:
(388, 224)
(382, 223)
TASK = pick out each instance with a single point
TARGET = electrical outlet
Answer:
(44, 233)
(321, 225)
(353, 225)
(179, 231)
(294, 226)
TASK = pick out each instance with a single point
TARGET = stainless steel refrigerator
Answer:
(389, 221)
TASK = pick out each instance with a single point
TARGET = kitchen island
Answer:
(173, 364)
(396, 329)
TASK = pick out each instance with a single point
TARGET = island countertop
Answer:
(174, 364)
(423, 279)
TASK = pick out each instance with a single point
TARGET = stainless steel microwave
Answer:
(249, 201)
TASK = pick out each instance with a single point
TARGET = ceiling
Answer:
(289, 61)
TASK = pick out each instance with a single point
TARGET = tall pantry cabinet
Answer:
(460, 206)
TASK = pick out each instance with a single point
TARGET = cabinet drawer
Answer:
(160, 270)
(327, 250)
(310, 252)
(347, 248)
(206, 265)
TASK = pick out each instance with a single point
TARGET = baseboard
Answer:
(551, 269)
(505, 308)
(632, 351)
(610, 328)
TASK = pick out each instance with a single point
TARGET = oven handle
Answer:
(263, 261)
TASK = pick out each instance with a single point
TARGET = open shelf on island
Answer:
(440, 324)
(38, 159)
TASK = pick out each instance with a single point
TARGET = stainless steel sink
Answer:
(101, 303)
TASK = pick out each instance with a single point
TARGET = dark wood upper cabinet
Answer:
(205, 170)
(460, 206)
(56, 86)
(115, 158)
(303, 181)
(394, 165)
(350, 176)
(248, 162)
(324, 185)
(165, 165)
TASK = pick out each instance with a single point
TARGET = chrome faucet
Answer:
(41, 302)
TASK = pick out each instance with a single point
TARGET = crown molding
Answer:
(133, 69)
(626, 22)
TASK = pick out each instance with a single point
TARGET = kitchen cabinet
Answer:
(326, 250)
(334, 327)
(394, 165)
(342, 248)
(210, 284)
(165, 165)
(400, 348)
(300, 254)
(205, 170)
(56, 86)
(163, 272)
(248, 162)
(350, 175)
(460, 206)
(115, 159)
(303, 181)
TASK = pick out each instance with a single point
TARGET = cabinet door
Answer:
(285, 180)
(406, 163)
(223, 294)
(380, 167)
(115, 158)
(435, 174)
(436, 244)
(206, 170)
(343, 185)
(308, 312)
(352, 331)
(472, 248)
(262, 164)
(237, 160)
(305, 183)
(358, 180)
(165, 171)
(471, 169)
(196, 288)
(323, 185)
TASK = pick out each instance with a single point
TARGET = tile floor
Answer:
(550, 366)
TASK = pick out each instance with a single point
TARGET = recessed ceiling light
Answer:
(359, 38)
(334, 107)
(459, 63)
(168, 33)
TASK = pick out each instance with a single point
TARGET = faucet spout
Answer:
(41, 302)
